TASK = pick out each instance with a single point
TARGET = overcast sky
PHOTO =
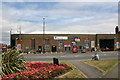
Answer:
(61, 17)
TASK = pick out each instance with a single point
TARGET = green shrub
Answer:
(12, 62)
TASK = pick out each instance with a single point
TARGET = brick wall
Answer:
(39, 39)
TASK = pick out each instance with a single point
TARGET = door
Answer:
(80, 48)
(53, 48)
(106, 43)
(39, 49)
(13, 43)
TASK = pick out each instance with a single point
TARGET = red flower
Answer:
(54, 72)
(39, 70)
(45, 76)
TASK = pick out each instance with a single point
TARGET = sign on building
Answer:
(67, 45)
(60, 44)
(92, 44)
(98, 44)
(118, 45)
(60, 37)
(18, 46)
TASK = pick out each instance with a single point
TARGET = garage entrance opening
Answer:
(53, 48)
(107, 43)
(13, 43)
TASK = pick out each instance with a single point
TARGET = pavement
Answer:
(89, 71)
(112, 73)
(92, 72)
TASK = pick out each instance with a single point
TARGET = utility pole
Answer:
(10, 36)
(43, 35)
(43, 25)
(19, 31)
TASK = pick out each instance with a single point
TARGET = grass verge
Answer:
(74, 73)
(102, 65)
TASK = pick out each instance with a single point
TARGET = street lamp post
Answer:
(43, 34)
(19, 30)
(10, 37)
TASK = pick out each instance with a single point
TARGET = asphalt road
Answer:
(68, 57)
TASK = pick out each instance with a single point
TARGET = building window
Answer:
(33, 44)
(47, 42)
(87, 43)
(60, 44)
(47, 47)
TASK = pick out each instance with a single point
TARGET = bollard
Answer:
(55, 61)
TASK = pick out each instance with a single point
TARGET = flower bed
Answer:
(39, 71)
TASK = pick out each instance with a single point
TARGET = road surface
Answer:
(68, 57)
